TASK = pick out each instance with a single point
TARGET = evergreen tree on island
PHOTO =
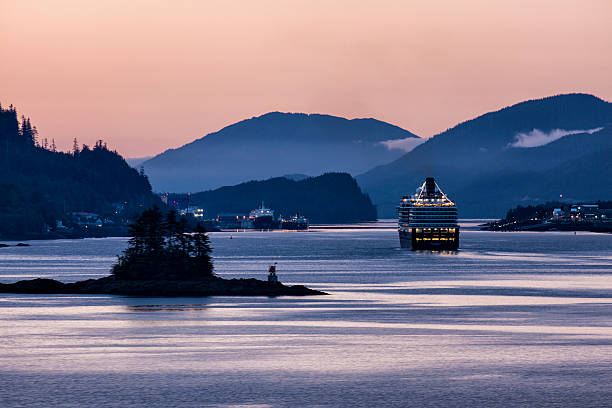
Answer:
(161, 248)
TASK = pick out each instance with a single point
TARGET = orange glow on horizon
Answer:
(149, 75)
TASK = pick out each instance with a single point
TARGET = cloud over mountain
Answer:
(539, 138)
(492, 162)
(405, 145)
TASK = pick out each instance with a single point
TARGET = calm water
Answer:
(512, 319)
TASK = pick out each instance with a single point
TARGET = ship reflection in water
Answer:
(437, 252)
(428, 219)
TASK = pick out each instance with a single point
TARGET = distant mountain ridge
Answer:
(480, 165)
(275, 144)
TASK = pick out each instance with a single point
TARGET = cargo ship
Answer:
(263, 218)
(297, 222)
(428, 219)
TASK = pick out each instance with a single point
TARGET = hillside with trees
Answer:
(528, 153)
(41, 185)
(330, 198)
(557, 215)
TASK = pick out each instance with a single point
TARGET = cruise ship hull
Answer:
(429, 239)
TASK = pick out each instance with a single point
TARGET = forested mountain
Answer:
(275, 144)
(527, 153)
(330, 198)
(41, 185)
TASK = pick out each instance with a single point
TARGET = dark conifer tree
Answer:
(134, 262)
(184, 238)
(202, 261)
(28, 133)
(164, 250)
(34, 133)
(145, 253)
(172, 231)
(154, 233)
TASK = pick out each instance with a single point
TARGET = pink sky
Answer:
(149, 75)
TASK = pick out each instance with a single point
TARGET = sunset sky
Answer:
(150, 75)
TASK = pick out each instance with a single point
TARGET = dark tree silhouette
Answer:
(201, 249)
(162, 249)
(40, 186)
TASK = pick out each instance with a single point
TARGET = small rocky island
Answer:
(162, 259)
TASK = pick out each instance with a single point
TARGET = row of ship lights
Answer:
(427, 199)
(433, 200)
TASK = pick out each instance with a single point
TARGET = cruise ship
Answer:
(428, 219)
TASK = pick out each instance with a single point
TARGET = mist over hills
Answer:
(526, 153)
(275, 144)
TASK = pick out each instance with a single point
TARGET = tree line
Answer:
(522, 213)
(40, 185)
(164, 248)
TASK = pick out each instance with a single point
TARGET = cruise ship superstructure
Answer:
(428, 219)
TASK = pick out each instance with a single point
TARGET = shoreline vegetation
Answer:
(556, 216)
(163, 258)
(49, 194)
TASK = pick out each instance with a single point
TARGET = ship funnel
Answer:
(430, 186)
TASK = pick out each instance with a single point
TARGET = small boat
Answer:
(297, 222)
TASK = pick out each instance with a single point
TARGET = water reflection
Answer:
(435, 253)
(173, 308)
(490, 325)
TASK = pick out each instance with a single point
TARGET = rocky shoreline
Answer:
(21, 244)
(213, 286)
